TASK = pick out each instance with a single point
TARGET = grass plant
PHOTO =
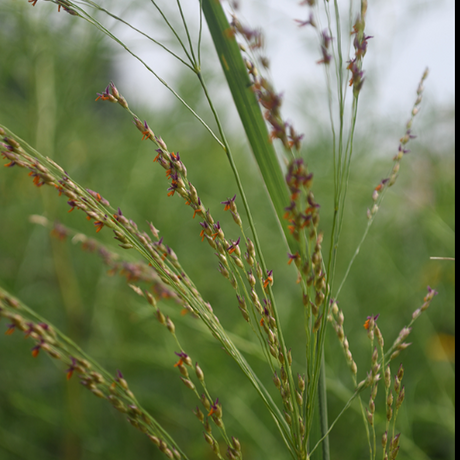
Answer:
(282, 361)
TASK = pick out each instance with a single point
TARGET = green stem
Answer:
(322, 400)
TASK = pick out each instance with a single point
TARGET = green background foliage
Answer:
(52, 66)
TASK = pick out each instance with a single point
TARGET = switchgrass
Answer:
(284, 370)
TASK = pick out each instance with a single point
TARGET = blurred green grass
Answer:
(48, 81)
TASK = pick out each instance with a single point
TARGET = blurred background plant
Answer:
(52, 67)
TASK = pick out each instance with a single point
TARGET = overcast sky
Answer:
(408, 36)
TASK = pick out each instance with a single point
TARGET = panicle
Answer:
(402, 150)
